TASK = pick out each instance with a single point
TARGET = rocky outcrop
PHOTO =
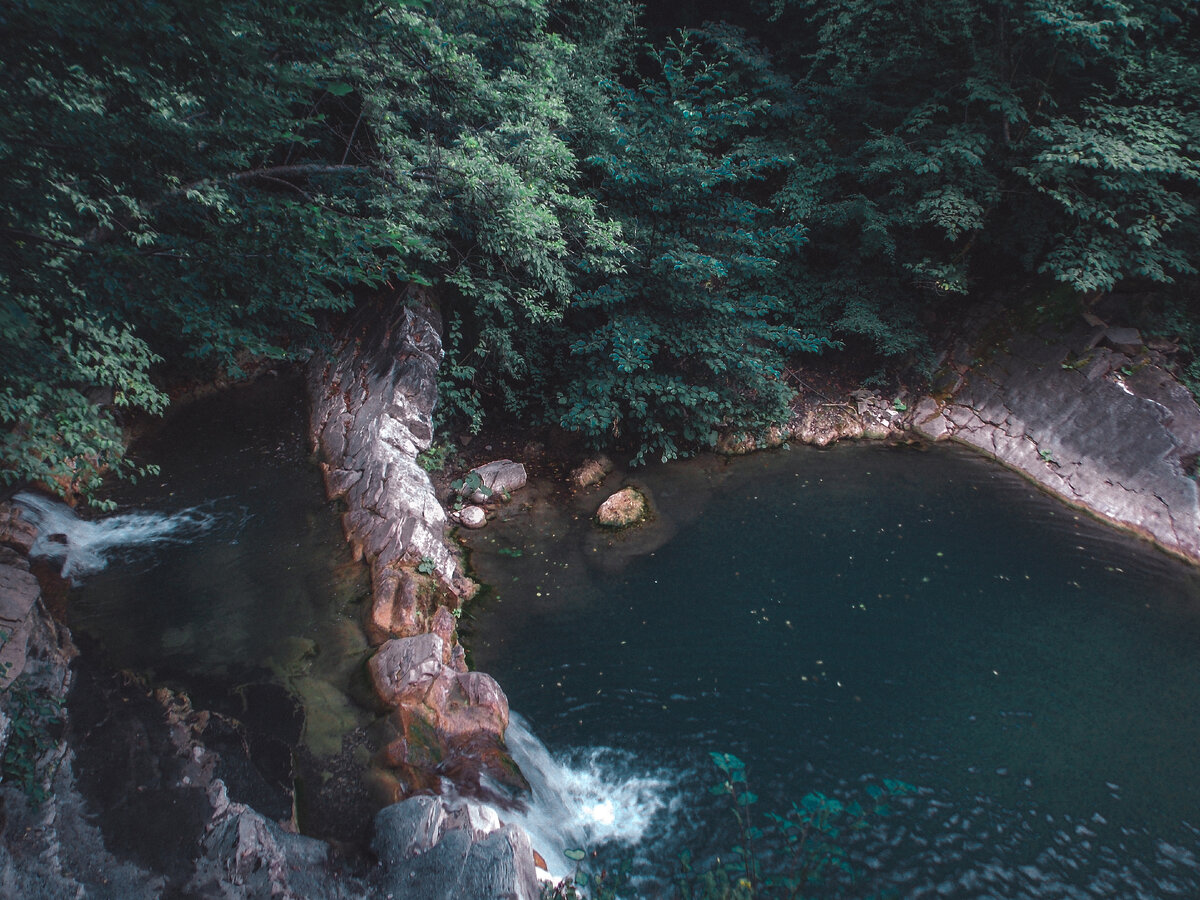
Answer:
(245, 856)
(445, 721)
(372, 404)
(1092, 416)
(440, 850)
(372, 401)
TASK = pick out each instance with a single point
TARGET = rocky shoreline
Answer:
(1090, 413)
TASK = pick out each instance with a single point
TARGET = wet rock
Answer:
(438, 850)
(500, 478)
(626, 507)
(591, 472)
(472, 516)
(415, 673)
(447, 722)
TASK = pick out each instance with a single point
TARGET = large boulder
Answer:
(1112, 434)
(446, 722)
(441, 850)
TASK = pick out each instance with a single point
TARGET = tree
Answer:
(688, 337)
(203, 181)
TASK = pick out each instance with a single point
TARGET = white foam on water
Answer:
(592, 798)
(84, 546)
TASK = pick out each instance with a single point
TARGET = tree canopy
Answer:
(629, 238)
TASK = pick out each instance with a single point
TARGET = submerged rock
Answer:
(591, 472)
(626, 507)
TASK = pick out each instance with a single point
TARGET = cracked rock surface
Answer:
(372, 402)
(1107, 430)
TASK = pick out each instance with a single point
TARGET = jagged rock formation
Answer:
(1091, 416)
(372, 403)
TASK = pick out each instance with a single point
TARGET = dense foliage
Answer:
(628, 239)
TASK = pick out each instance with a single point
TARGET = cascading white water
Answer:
(599, 797)
(84, 546)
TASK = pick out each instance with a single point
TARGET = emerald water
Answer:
(839, 617)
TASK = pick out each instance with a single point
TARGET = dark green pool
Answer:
(838, 617)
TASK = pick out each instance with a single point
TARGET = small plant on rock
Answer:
(465, 487)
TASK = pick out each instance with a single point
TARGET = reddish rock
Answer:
(16, 531)
(395, 603)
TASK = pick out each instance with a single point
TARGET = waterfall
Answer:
(84, 546)
(598, 797)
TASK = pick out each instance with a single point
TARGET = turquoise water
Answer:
(839, 617)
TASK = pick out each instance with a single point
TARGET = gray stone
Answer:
(1124, 340)
(928, 420)
(437, 850)
(500, 477)
(472, 516)
(1118, 445)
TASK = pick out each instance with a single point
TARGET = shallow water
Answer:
(839, 617)
(233, 570)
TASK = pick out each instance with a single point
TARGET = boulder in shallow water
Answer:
(591, 472)
(626, 507)
(500, 477)
(472, 516)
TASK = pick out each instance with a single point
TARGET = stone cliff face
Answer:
(1091, 416)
